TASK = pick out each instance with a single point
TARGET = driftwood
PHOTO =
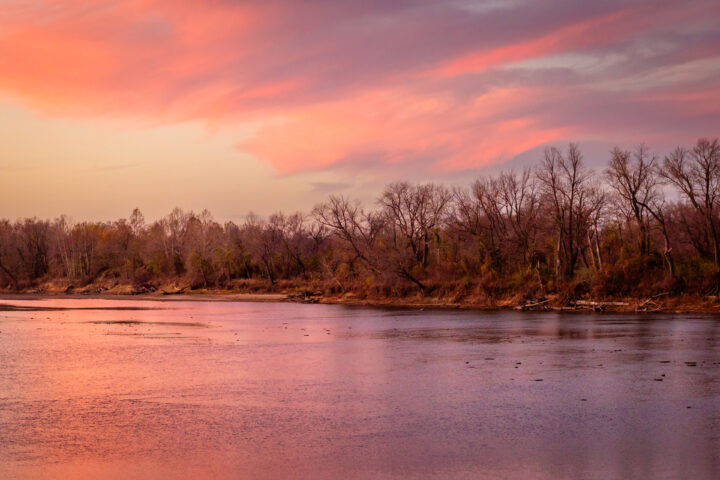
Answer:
(178, 291)
(591, 303)
(597, 306)
(304, 297)
(530, 306)
(649, 304)
(578, 305)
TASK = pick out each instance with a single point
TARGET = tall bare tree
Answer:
(415, 212)
(349, 221)
(573, 202)
(696, 174)
(633, 177)
(521, 205)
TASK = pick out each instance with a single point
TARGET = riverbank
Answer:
(551, 303)
(662, 303)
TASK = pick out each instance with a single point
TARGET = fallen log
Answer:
(529, 306)
(592, 303)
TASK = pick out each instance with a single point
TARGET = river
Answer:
(116, 389)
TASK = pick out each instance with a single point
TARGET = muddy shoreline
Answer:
(661, 304)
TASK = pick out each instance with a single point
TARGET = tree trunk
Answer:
(10, 275)
(597, 248)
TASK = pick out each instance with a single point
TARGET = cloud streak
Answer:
(436, 86)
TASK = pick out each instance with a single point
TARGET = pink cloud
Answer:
(402, 126)
(579, 36)
(407, 82)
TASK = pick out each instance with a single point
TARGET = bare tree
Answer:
(696, 174)
(175, 227)
(8, 262)
(480, 213)
(521, 206)
(264, 239)
(33, 246)
(348, 221)
(294, 239)
(413, 216)
(573, 202)
(501, 213)
(137, 222)
(198, 248)
(415, 211)
(633, 177)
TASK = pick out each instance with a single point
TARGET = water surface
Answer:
(153, 390)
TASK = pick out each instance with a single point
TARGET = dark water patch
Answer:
(142, 322)
(442, 334)
(155, 335)
(6, 307)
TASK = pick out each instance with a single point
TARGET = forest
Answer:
(642, 226)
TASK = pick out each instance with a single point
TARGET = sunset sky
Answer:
(267, 105)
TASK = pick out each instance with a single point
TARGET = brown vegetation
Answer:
(643, 228)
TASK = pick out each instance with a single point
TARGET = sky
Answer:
(239, 106)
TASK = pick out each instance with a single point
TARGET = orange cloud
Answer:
(140, 57)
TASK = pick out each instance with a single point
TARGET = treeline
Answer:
(644, 225)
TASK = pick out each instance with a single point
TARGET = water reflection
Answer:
(233, 390)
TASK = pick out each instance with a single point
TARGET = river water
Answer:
(109, 389)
